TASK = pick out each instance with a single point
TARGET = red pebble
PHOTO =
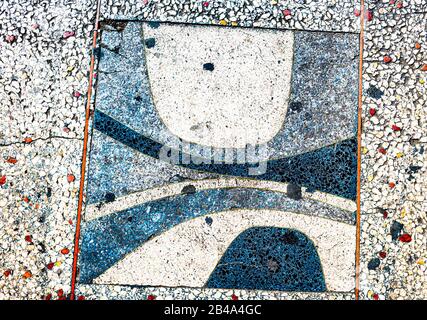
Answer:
(395, 128)
(234, 297)
(7, 273)
(10, 39)
(151, 297)
(65, 251)
(372, 112)
(405, 238)
(287, 12)
(382, 150)
(50, 265)
(2, 180)
(392, 1)
(70, 178)
(387, 59)
(60, 292)
(385, 214)
(376, 296)
(77, 94)
(28, 140)
(12, 160)
(48, 296)
(357, 12)
(28, 238)
(81, 298)
(424, 67)
(382, 254)
(399, 5)
(391, 185)
(205, 4)
(369, 15)
(68, 34)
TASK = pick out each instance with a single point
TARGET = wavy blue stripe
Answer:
(330, 169)
(108, 239)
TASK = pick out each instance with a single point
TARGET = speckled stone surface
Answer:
(43, 81)
(111, 292)
(145, 106)
(127, 113)
(393, 194)
(324, 73)
(219, 91)
(190, 259)
(45, 51)
(331, 15)
(330, 168)
(129, 229)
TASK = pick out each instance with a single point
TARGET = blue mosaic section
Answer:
(265, 258)
(324, 91)
(108, 239)
(123, 85)
(110, 161)
(330, 169)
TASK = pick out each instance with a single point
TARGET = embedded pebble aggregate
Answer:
(44, 58)
(111, 292)
(44, 68)
(394, 136)
(332, 15)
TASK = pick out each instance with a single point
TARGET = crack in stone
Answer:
(36, 139)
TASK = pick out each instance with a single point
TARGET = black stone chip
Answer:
(110, 197)
(295, 106)
(150, 43)
(190, 189)
(395, 230)
(374, 264)
(209, 220)
(154, 24)
(289, 238)
(374, 92)
(209, 67)
(294, 192)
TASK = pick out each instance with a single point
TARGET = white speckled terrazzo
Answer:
(187, 254)
(240, 102)
(224, 88)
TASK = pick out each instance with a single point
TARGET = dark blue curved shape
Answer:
(108, 239)
(267, 258)
(330, 169)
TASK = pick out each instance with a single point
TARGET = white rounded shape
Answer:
(243, 100)
(186, 254)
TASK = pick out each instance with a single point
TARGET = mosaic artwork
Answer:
(213, 150)
(222, 158)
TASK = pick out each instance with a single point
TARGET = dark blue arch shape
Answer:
(269, 258)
